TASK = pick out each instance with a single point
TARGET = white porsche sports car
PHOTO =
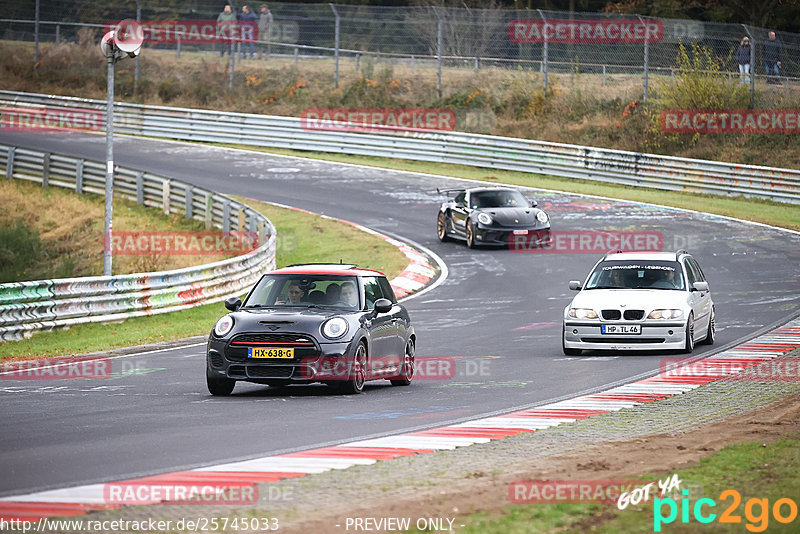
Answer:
(640, 301)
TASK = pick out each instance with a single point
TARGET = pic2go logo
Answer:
(756, 511)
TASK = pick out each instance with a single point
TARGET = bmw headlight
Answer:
(334, 328)
(541, 217)
(582, 313)
(665, 314)
(223, 326)
(485, 218)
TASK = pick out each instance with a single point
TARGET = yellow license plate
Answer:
(262, 352)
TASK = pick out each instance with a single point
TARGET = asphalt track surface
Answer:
(499, 313)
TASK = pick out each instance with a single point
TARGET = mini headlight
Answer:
(484, 218)
(665, 314)
(334, 328)
(541, 217)
(583, 313)
(223, 326)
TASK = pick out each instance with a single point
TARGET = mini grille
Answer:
(269, 371)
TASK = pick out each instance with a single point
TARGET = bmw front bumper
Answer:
(586, 335)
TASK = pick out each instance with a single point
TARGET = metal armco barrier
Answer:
(571, 161)
(46, 304)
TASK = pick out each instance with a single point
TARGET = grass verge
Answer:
(756, 470)
(756, 210)
(302, 237)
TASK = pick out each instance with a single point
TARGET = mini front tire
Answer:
(219, 386)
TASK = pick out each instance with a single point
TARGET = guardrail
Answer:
(571, 161)
(46, 304)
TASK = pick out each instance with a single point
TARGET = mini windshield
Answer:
(636, 274)
(305, 291)
(498, 199)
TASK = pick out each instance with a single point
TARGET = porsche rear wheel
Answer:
(442, 227)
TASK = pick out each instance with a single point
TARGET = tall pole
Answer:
(109, 167)
(136, 67)
(439, 24)
(645, 81)
(544, 52)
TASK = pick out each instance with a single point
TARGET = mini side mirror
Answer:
(233, 303)
(533, 203)
(700, 286)
(575, 285)
(383, 305)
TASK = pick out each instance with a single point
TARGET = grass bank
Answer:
(761, 474)
(302, 238)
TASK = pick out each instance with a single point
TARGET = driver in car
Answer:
(349, 295)
(667, 280)
(295, 294)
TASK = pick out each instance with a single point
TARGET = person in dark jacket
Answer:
(743, 58)
(771, 54)
(251, 19)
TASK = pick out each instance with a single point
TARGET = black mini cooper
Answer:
(335, 324)
(492, 216)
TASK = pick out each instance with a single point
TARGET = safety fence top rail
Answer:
(45, 304)
(558, 159)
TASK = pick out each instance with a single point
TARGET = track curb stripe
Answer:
(667, 383)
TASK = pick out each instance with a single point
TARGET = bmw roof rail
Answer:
(618, 251)
(679, 252)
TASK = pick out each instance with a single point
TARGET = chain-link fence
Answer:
(440, 41)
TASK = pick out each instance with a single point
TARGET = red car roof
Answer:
(332, 269)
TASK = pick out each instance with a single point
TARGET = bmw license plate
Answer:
(618, 329)
(520, 232)
(262, 352)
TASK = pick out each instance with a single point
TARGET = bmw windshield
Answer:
(308, 291)
(637, 274)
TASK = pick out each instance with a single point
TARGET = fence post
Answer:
(209, 204)
(140, 188)
(544, 51)
(233, 60)
(439, 28)
(165, 196)
(79, 177)
(226, 216)
(188, 193)
(604, 75)
(178, 47)
(336, 47)
(296, 55)
(646, 57)
(46, 169)
(58, 34)
(10, 162)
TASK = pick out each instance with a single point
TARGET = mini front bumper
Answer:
(333, 363)
(654, 336)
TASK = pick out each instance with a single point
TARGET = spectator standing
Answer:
(265, 21)
(772, 59)
(743, 58)
(251, 19)
(225, 22)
